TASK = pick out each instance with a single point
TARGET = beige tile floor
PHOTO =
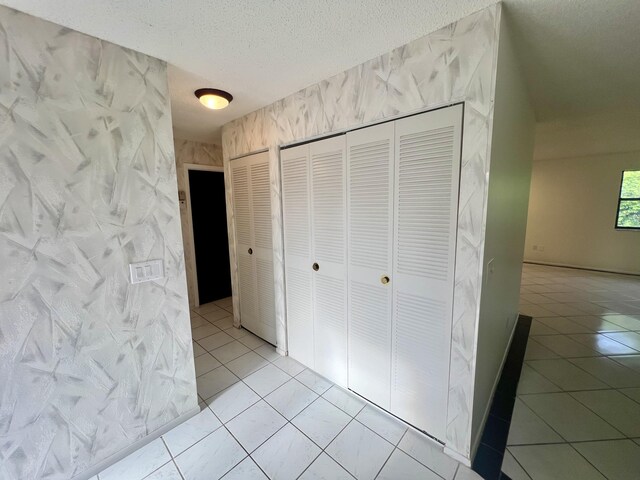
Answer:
(577, 413)
(267, 416)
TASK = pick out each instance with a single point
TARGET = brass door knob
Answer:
(384, 279)
(316, 267)
(250, 251)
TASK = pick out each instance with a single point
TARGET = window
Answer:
(629, 201)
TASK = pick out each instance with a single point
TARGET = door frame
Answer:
(206, 168)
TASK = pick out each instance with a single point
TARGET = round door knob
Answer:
(316, 267)
(250, 251)
(384, 279)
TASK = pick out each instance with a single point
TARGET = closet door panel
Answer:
(328, 217)
(426, 201)
(263, 246)
(297, 247)
(370, 222)
(241, 184)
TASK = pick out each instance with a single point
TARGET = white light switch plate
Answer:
(146, 271)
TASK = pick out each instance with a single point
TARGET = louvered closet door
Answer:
(328, 217)
(265, 327)
(297, 248)
(241, 184)
(370, 223)
(426, 203)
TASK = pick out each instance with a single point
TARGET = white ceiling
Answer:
(580, 56)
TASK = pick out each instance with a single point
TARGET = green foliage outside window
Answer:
(629, 206)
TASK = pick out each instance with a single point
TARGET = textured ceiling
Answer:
(580, 56)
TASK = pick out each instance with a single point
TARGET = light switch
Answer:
(146, 271)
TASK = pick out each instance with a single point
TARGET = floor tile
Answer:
(346, 401)
(215, 315)
(566, 375)
(615, 408)
(289, 365)
(626, 321)
(232, 401)
(528, 428)
(268, 351)
(246, 364)
(325, 468)
(204, 331)
(186, 434)
(400, 465)
(224, 323)
(205, 363)
(215, 381)
(245, 470)
(267, 379)
(255, 425)
(558, 461)
(565, 325)
(616, 459)
(536, 311)
(570, 418)
(565, 347)
(286, 454)
(167, 472)
(360, 451)
(291, 398)
(609, 371)
(198, 350)
(597, 324)
(198, 321)
(630, 361)
(465, 473)
(539, 328)
(388, 427)
(603, 344)
(632, 393)
(427, 452)
(314, 381)
(236, 332)
(230, 351)
(224, 302)
(535, 351)
(214, 341)
(630, 339)
(206, 308)
(140, 463)
(211, 457)
(533, 382)
(512, 468)
(252, 341)
(321, 421)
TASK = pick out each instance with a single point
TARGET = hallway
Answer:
(577, 412)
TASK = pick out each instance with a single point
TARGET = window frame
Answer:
(620, 200)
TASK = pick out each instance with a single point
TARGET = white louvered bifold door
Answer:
(296, 209)
(370, 169)
(241, 185)
(328, 225)
(263, 246)
(426, 202)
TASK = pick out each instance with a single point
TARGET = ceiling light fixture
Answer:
(213, 98)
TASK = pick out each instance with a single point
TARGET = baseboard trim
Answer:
(457, 456)
(582, 267)
(116, 457)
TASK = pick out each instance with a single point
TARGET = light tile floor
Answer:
(266, 416)
(577, 413)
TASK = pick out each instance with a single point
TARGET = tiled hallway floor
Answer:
(266, 416)
(577, 412)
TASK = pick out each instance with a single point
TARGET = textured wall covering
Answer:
(456, 63)
(88, 363)
(200, 154)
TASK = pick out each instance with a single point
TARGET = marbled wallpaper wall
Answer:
(454, 64)
(89, 363)
(198, 153)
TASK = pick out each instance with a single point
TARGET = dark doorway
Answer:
(210, 240)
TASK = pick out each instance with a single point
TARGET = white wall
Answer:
(572, 213)
(511, 156)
